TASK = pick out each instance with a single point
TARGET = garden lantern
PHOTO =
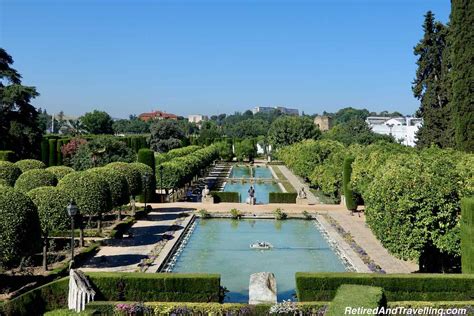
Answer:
(72, 211)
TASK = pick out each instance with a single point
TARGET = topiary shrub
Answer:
(53, 143)
(51, 204)
(60, 171)
(351, 202)
(90, 192)
(9, 172)
(34, 179)
(19, 226)
(132, 175)
(4, 183)
(467, 235)
(149, 184)
(29, 164)
(117, 183)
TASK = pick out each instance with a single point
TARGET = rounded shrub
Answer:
(117, 183)
(4, 182)
(29, 164)
(51, 204)
(132, 175)
(34, 179)
(90, 192)
(20, 230)
(149, 184)
(60, 171)
(9, 172)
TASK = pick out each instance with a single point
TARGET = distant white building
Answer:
(197, 118)
(268, 109)
(403, 129)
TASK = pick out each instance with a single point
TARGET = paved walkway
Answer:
(148, 235)
(364, 237)
(297, 183)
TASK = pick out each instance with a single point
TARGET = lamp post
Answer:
(161, 182)
(390, 126)
(145, 184)
(72, 211)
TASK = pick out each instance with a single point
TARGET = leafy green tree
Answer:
(287, 130)
(51, 204)
(20, 230)
(462, 29)
(19, 129)
(247, 128)
(97, 122)
(209, 133)
(355, 131)
(165, 135)
(101, 151)
(245, 149)
(225, 150)
(346, 114)
(131, 126)
(431, 85)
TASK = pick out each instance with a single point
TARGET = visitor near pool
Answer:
(251, 197)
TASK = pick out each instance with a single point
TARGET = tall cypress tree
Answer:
(431, 84)
(19, 130)
(462, 54)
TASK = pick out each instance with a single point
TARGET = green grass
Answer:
(357, 296)
(324, 198)
(284, 181)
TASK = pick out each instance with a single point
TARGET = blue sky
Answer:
(214, 57)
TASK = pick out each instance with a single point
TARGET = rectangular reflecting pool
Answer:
(242, 185)
(223, 246)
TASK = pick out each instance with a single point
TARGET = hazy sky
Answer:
(214, 57)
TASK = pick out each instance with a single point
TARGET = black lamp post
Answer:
(72, 211)
(145, 184)
(161, 182)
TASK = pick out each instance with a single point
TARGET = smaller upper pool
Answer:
(262, 188)
(259, 172)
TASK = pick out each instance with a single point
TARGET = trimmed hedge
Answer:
(35, 178)
(357, 296)
(397, 287)
(174, 153)
(45, 151)
(282, 197)
(132, 175)
(29, 164)
(163, 287)
(351, 202)
(7, 155)
(48, 297)
(53, 144)
(117, 183)
(9, 172)
(20, 231)
(60, 171)
(149, 185)
(467, 235)
(225, 197)
(89, 190)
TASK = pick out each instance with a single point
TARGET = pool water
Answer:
(261, 189)
(223, 246)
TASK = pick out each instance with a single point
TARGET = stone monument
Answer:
(302, 198)
(262, 288)
(207, 198)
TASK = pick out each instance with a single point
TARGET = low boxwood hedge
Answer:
(163, 287)
(282, 197)
(7, 155)
(397, 287)
(357, 296)
(229, 197)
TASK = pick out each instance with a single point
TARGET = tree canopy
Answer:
(287, 130)
(97, 122)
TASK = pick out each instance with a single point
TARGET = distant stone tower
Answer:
(323, 122)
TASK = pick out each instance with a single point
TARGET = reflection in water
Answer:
(223, 246)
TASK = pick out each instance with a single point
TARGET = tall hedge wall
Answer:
(7, 155)
(229, 197)
(467, 235)
(282, 197)
(397, 287)
(351, 202)
(52, 152)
